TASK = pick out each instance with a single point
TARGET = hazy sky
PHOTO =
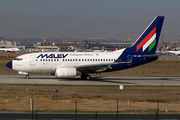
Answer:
(35, 18)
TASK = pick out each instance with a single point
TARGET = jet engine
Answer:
(65, 72)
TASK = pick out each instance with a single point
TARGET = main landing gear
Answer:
(85, 76)
(27, 76)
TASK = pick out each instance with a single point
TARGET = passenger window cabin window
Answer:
(43, 59)
(98, 59)
(82, 59)
(54, 59)
(18, 59)
(65, 59)
(79, 59)
(57, 59)
(40, 59)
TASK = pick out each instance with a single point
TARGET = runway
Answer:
(102, 80)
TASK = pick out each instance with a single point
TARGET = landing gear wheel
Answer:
(88, 77)
(85, 77)
(27, 76)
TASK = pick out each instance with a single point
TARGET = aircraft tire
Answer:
(27, 76)
(88, 77)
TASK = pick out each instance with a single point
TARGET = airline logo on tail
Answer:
(174, 49)
(148, 42)
(167, 48)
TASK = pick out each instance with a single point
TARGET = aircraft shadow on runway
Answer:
(78, 79)
(107, 79)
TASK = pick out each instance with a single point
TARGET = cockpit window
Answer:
(18, 59)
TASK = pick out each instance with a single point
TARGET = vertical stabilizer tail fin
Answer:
(174, 49)
(148, 40)
(167, 48)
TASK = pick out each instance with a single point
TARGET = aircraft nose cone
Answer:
(9, 64)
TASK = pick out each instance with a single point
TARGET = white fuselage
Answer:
(49, 61)
(174, 52)
(9, 49)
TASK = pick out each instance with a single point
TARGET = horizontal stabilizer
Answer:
(154, 55)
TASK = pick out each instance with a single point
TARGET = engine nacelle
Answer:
(65, 72)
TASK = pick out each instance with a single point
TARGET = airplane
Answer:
(9, 49)
(167, 48)
(174, 51)
(69, 64)
(159, 51)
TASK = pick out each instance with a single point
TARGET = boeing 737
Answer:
(69, 64)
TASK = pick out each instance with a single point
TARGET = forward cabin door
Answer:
(32, 60)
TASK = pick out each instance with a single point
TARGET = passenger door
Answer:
(32, 60)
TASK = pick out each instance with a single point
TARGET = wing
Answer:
(96, 67)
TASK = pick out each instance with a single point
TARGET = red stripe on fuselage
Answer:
(145, 39)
